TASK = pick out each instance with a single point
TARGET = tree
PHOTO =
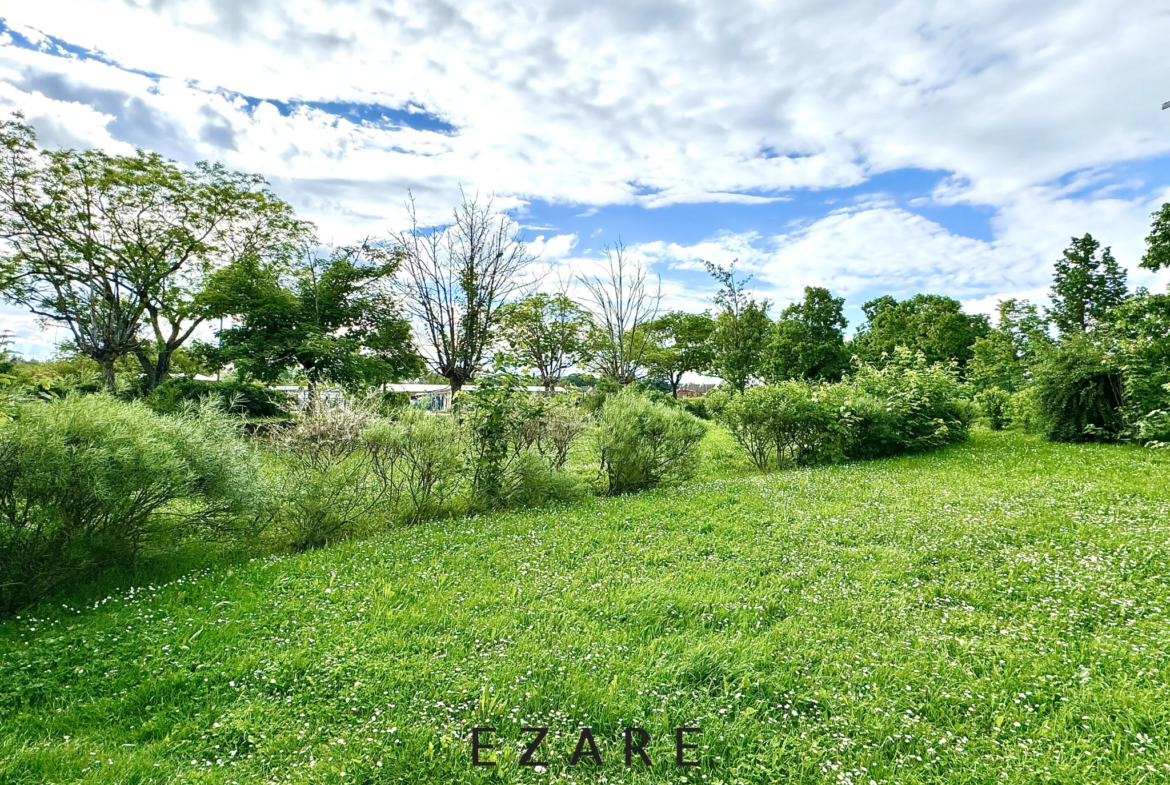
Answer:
(1157, 253)
(1004, 357)
(112, 246)
(927, 323)
(546, 333)
(329, 316)
(808, 340)
(741, 328)
(680, 343)
(1085, 286)
(622, 306)
(455, 279)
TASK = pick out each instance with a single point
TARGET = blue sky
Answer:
(871, 147)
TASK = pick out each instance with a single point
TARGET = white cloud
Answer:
(609, 102)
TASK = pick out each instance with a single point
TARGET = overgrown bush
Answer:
(697, 407)
(640, 443)
(1023, 411)
(518, 443)
(326, 482)
(89, 482)
(418, 459)
(993, 404)
(924, 406)
(237, 397)
(782, 424)
(1079, 393)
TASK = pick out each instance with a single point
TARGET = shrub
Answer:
(697, 407)
(518, 443)
(781, 424)
(1079, 393)
(326, 481)
(640, 443)
(596, 399)
(1023, 410)
(87, 482)
(238, 397)
(924, 406)
(418, 459)
(993, 405)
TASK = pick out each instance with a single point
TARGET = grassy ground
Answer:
(996, 612)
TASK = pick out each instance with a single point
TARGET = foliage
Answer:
(1140, 333)
(1157, 253)
(680, 343)
(1024, 412)
(330, 317)
(928, 323)
(741, 329)
(595, 400)
(518, 444)
(87, 482)
(783, 425)
(236, 397)
(326, 482)
(1004, 357)
(994, 404)
(454, 281)
(640, 443)
(1079, 392)
(808, 340)
(545, 333)
(907, 405)
(1085, 286)
(418, 459)
(110, 247)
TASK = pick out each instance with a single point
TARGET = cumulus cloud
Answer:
(1025, 107)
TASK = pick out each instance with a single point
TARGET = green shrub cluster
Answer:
(641, 442)
(907, 405)
(89, 482)
(246, 399)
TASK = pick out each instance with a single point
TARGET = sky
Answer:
(871, 147)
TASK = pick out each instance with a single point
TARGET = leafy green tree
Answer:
(329, 316)
(741, 329)
(1085, 286)
(929, 323)
(808, 341)
(1157, 253)
(1003, 358)
(116, 248)
(545, 333)
(680, 343)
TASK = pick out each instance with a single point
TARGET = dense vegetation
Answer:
(991, 612)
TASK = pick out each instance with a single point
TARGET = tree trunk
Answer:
(674, 383)
(108, 380)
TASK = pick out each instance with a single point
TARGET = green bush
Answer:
(596, 399)
(697, 407)
(518, 443)
(326, 483)
(782, 424)
(923, 406)
(1079, 393)
(237, 397)
(993, 404)
(641, 443)
(89, 482)
(418, 458)
(1023, 411)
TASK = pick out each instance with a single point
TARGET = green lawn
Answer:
(995, 612)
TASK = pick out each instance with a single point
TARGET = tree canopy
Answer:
(929, 323)
(808, 341)
(1086, 284)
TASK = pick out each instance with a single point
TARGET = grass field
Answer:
(994, 612)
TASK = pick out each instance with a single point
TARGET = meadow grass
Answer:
(992, 612)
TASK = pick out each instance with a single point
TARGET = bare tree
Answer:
(622, 308)
(454, 280)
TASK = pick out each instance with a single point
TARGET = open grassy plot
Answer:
(993, 612)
